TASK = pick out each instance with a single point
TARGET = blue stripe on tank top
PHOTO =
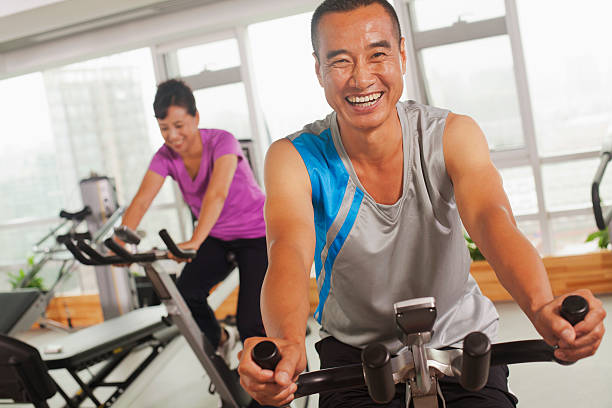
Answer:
(334, 249)
(328, 179)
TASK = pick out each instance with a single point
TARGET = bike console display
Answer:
(415, 315)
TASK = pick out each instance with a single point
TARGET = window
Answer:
(224, 107)
(214, 70)
(567, 185)
(476, 78)
(568, 66)
(213, 56)
(63, 124)
(289, 92)
(520, 188)
(101, 116)
(431, 14)
(542, 109)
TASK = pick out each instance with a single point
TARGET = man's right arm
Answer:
(284, 299)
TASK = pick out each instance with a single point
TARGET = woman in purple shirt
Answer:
(217, 183)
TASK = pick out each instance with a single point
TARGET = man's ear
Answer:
(197, 117)
(317, 68)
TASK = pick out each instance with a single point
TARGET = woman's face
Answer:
(179, 129)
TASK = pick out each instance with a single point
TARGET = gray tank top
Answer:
(369, 256)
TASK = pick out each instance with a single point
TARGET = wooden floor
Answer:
(567, 273)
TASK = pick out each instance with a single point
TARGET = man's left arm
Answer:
(486, 214)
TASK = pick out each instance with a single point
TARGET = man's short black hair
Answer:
(173, 92)
(331, 6)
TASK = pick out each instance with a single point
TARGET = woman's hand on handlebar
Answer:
(272, 387)
(574, 342)
(111, 253)
(183, 246)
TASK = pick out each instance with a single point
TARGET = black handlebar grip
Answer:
(118, 249)
(574, 308)
(174, 249)
(377, 372)
(77, 254)
(77, 216)
(476, 361)
(266, 355)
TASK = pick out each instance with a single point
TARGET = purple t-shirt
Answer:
(242, 214)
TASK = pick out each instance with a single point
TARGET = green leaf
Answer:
(602, 236)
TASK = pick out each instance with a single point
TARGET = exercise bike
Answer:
(224, 382)
(416, 365)
(26, 305)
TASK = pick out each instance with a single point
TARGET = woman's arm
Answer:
(149, 187)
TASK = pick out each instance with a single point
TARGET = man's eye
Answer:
(379, 55)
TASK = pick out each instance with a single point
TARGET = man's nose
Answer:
(362, 77)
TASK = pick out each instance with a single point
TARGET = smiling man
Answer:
(377, 194)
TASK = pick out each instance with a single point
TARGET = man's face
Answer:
(360, 66)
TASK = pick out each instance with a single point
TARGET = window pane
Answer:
(212, 56)
(568, 66)
(17, 251)
(430, 14)
(224, 107)
(568, 185)
(289, 92)
(156, 220)
(533, 232)
(36, 179)
(569, 234)
(480, 83)
(520, 188)
(102, 119)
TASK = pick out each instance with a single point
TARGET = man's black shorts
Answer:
(333, 353)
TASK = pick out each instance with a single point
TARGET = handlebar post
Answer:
(378, 375)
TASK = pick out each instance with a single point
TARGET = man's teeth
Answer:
(367, 100)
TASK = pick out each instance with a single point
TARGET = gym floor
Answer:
(176, 379)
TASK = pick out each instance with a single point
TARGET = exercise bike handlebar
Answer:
(601, 220)
(88, 255)
(174, 249)
(379, 371)
(76, 216)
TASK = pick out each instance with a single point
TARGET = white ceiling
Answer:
(28, 22)
(8, 7)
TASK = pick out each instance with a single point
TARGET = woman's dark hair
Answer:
(331, 6)
(173, 92)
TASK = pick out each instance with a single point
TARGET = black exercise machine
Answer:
(602, 220)
(23, 306)
(224, 382)
(24, 373)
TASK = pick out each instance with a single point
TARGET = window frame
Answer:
(525, 156)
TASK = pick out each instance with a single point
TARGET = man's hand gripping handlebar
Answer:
(417, 366)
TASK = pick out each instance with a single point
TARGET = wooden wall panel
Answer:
(84, 310)
(567, 273)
